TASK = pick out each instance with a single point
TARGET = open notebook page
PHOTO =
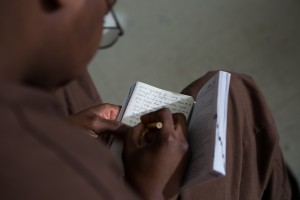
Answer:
(146, 98)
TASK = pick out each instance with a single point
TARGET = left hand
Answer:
(99, 120)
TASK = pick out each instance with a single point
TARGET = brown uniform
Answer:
(255, 168)
(44, 157)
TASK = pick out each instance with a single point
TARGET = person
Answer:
(45, 44)
(47, 154)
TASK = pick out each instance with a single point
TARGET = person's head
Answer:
(49, 42)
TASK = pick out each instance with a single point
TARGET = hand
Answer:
(155, 171)
(99, 120)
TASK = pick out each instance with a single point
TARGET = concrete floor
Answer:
(172, 42)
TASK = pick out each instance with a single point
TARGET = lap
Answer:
(255, 168)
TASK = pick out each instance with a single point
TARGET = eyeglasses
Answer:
(111, 33)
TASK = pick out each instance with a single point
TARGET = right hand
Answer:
(155, 171)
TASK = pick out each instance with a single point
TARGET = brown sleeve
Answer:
(255, 168)
(78, 95)
(42, 157)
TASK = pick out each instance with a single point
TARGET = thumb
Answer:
(100, 126)
(120, 133)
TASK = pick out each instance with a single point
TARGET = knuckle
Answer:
(184, 146)
(106, 106)
(171, 139)
(180, 145)
(164, 112)
(93, 123)
(180, 116)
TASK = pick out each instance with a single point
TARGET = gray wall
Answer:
(169, 43)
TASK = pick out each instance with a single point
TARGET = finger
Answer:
(100, 125)
(163, 115)
(150, 137)
(180, 124)
(121, 132)
(134, 137)
(107, 111)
